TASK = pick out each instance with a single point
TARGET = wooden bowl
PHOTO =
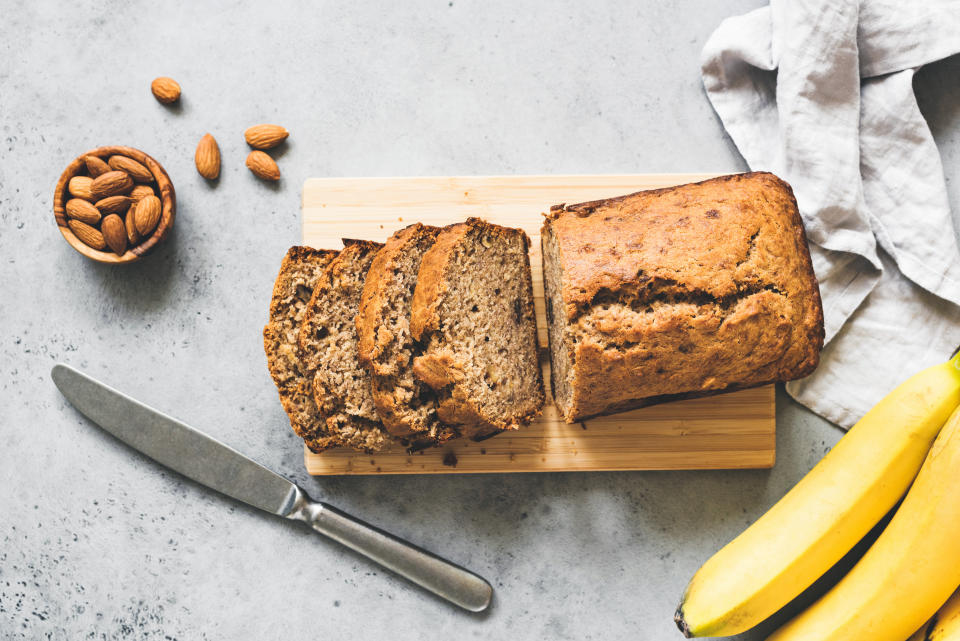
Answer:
(163, 185)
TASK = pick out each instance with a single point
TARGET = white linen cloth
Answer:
(821, 93)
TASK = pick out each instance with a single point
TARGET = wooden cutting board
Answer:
(736, 430)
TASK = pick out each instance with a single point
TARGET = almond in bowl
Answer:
(114, 204)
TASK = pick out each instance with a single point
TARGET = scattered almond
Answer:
(141, 191)
(207, 157)
(96, 166)
(88, 235)
(265, 136)
(79, 187)
(114, 234)
(147, 214)
(137, 171)
(166, 90)
(263, 166)
(82, 210)
(114, 204)
(133, 236)
(111, 183)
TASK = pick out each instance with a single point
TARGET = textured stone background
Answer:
(96, 542)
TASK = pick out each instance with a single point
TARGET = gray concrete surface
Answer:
(98, 543)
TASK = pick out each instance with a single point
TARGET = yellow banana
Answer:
(909, 571)
(945, 624)
(826, 513)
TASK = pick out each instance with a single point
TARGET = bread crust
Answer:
(374, 292)
(443, 370)
(301, 267)
(694, 289)
(431, 283)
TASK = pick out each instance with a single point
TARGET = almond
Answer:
(147, 215)
(263, 166)
(114, 234)
(111, 183)
(83, 211)
(88, 235)
(141, 191)
(265, 136)
(96, 166)
(114, 204)
(137, 171)
(166, 90)
(79, 186)
(133, 236)
(208, 157)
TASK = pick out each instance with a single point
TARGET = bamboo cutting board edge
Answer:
(729, 431)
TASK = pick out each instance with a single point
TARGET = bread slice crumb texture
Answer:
(342, 388)
(473, 312)
(299, 273)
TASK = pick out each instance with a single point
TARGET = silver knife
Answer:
(222, 468)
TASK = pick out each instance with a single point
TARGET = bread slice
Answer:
(299, 272)
(328, 350)
(407, 406)
(473, 312)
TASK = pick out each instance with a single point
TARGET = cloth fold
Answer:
(821, 93)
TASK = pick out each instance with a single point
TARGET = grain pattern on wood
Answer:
(735, 430)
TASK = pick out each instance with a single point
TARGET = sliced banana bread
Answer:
(299, 272)
(472, 310)
(328, 351)
(681, 291)
(407, 407)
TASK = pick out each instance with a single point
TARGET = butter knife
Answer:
(217, 466)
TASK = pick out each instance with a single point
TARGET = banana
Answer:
(945, 624)
(909, 571)
(826, 513)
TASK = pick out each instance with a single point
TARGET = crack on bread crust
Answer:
(617, 338)
(751, 247)
(671, 292)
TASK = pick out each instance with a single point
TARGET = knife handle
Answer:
(443, 578)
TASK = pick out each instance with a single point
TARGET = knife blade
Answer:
(207, 461)
(174, 444)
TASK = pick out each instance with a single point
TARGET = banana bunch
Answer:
(907, 573)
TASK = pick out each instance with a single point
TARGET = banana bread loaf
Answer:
(407, 407)
(472, 310)
(676, 292)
